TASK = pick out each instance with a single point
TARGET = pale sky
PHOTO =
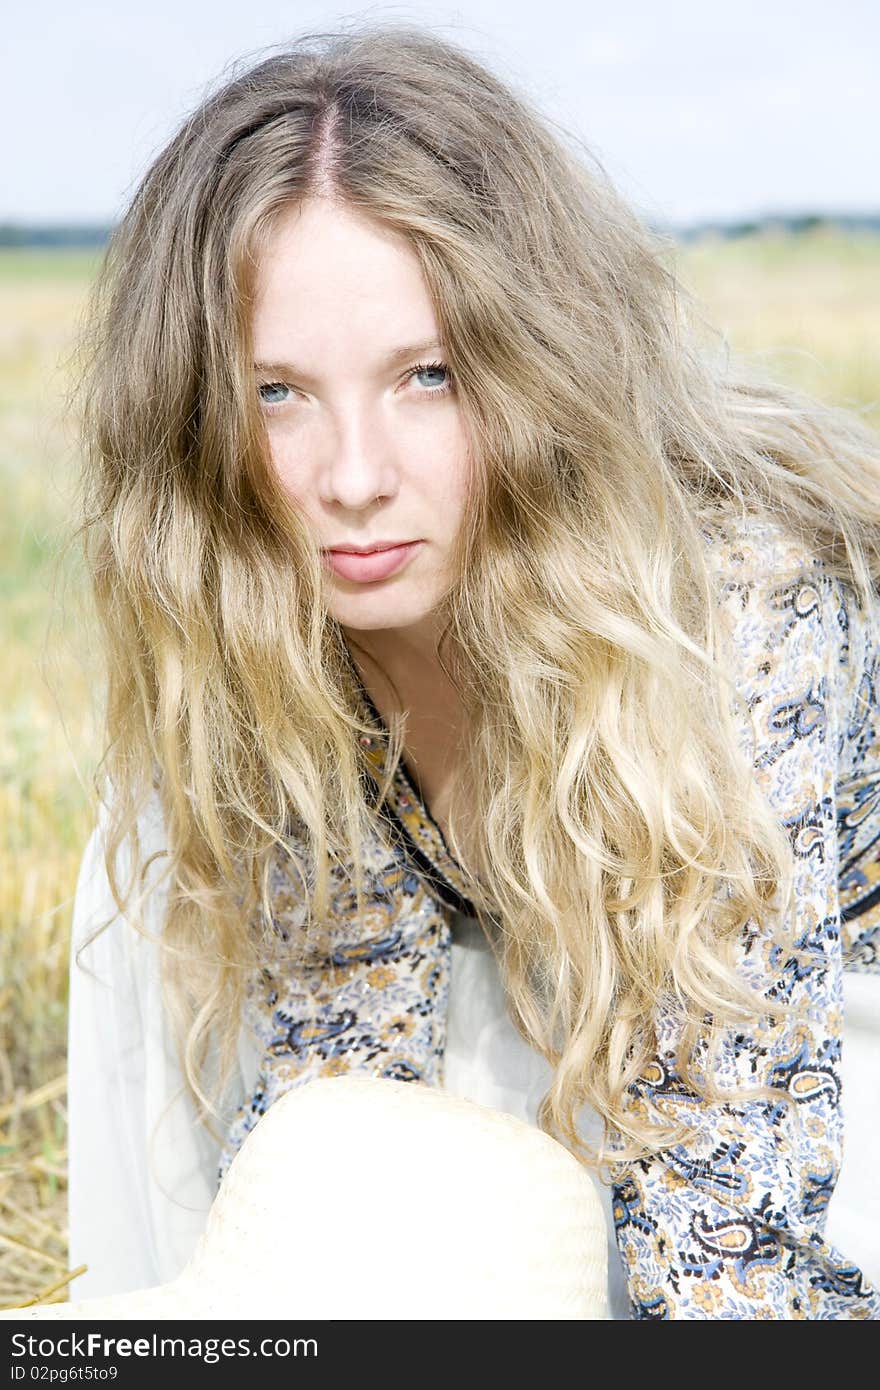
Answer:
(697, 110)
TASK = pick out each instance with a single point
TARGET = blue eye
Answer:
(273, 392)
(433, 376)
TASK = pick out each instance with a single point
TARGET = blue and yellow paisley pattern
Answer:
(375, 1002)
(730, 1222)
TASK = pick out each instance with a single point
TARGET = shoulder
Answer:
(759, 551)
(804, 648)
(774, 591)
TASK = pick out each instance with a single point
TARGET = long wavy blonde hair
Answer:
(619, 842)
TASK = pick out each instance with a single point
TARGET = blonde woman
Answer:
(491, 688)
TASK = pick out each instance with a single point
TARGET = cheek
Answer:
(459, 472)
(444, 459)
(288, 456)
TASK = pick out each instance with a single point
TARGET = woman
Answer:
(569, 800)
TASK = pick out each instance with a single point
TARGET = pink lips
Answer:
(366, 569)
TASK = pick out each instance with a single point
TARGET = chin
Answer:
(380, 603)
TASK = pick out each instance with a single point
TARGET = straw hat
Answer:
(362, 1197)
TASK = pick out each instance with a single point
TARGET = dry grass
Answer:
(811, 305)
(808, 306)
(48, 742)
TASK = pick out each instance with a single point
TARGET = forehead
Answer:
(326, 273)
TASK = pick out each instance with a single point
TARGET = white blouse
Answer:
(136, 1208)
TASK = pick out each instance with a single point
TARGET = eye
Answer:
(274, 393)
(433, 377)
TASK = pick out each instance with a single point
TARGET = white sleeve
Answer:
(141, 1173)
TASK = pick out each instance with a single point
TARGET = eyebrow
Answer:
(393, 359)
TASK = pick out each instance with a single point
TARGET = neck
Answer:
(407, 656)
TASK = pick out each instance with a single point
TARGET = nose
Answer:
(360, 462)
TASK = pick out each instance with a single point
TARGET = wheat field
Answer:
(809, 306)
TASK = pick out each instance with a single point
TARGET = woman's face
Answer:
(364, 426)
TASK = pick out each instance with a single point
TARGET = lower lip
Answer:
(366, 569)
